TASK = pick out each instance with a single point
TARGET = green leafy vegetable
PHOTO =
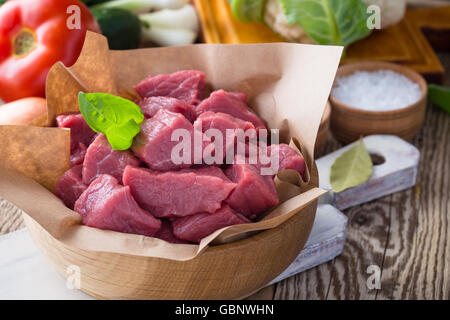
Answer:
(118, 118)
(352, 168)
(93, 2)
(168, 27)
(329, 22)
(138, 6)
(248, 10)
(122, 28)
(440, 96)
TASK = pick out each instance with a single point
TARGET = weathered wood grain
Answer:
(406, 234)
(345, 277)
(417, 258)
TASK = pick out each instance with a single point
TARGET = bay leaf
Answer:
(352, 168)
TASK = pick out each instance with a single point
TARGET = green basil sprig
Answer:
(118, 118)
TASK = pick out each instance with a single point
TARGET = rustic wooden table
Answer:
(406, 235)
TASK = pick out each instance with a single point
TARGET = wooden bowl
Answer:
(228, 271)
(348, 123)
(322, 134)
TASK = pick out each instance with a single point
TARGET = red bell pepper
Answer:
(34, 35)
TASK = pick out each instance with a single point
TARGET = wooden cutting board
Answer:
(410, 42)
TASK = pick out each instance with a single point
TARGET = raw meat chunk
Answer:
(80, 132)
(222, 122)
(186, 85)
(81, 135)
(240, 95)
(208, 171)
(150, 106)
(178, 193)
(70, 186)
(101, 158)
(254, 193)
(154, 144)
(77, 155)
(196, 227)
(231, 103)
(288, 158)
(166, 233)
(108, 205)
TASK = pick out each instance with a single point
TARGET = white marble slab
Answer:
(24, 273)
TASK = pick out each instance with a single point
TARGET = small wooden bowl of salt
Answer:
(377, 98)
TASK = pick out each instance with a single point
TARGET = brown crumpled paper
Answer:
(287, 84)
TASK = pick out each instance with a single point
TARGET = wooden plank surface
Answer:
(407, 235)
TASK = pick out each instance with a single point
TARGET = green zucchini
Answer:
(121, 27)
(94, 2)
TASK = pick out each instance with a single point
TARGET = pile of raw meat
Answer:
(142, 191)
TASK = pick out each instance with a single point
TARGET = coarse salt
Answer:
(381, 90)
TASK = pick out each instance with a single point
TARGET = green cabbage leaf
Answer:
(332, 22)
(327, 22)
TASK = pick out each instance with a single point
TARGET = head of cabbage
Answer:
(333, 22)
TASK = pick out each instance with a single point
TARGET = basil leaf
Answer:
(440, 96)
(122, 135)
(248, 10)
(118, 118)
(352, 168)
(329, 22)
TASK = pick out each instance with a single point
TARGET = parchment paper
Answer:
(287, 84)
